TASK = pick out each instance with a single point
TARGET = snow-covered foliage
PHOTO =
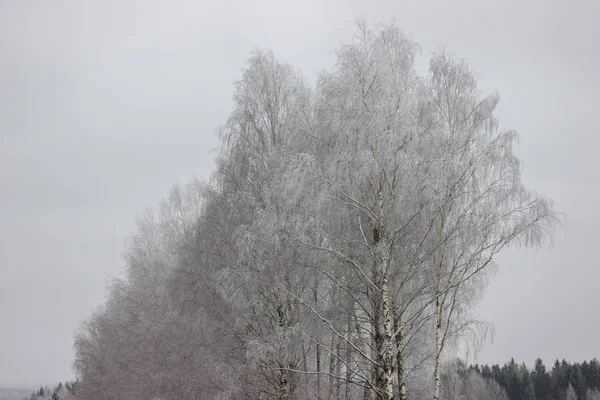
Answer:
(337, 251)
(458, 383)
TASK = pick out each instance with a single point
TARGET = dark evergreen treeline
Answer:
(60, 392)
(564, 381)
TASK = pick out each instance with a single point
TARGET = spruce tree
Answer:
(497, 374)
(570, 393)
(560, 379)
(486, 372)
(578, 382)
(594, 374)
(528, 390)
(542, 382)
(513, 383)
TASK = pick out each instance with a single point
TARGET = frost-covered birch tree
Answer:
(270, 108)
(482, 204)
(366, 177)
(338, 249)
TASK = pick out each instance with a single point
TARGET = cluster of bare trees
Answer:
(337, 251)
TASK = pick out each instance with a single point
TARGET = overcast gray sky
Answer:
(103, 105)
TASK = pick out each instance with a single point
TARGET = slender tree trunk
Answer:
(438, 346)
(284, 385)
(348, 353)
(379, 352)
(304, 363)
(386, 355)
(439, 263)
(338, 382)
(318, 350)
(332, 345)
(400, 357)
(374, 370)
(318, 347)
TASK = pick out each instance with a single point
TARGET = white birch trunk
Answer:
(438, 346)
(387, 349)
(399, 358)
(438, 312)
(388, 356)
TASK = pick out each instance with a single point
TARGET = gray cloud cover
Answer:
(104, 105)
